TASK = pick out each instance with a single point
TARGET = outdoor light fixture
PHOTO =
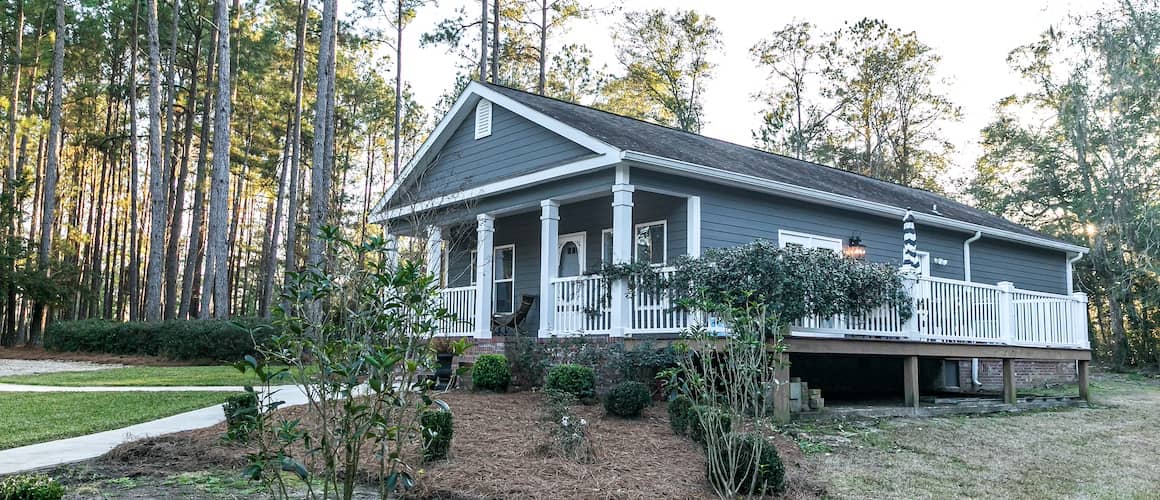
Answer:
(855, 249)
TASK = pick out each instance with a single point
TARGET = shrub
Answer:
(491, 373)
(704, 417)
(241, 413)
(30, 487)
(569, 432)
(681, 416)
(438, 428)
(183, 340)
(627, 399)
(748, 460)
(579, 381)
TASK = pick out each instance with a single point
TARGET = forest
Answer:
(178, 159)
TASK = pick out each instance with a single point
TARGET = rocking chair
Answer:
(502, 324)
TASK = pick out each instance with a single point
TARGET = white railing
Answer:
(654, 312)
(957, 311)
(460, 302)
(580, 306)
(1041, 319)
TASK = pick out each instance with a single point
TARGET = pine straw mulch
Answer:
(497, 453)
(42, 354)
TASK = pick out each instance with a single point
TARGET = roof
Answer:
(630, 134)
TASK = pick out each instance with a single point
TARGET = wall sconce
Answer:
(855, 249)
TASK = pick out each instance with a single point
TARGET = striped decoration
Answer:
(910, 262)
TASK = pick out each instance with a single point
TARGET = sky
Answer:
(973, 37)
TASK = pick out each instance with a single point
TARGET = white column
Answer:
(435, 252)
(911, 285)
(621, 254)
(1079, 320)
(693, 237)
(549, 257)
(484, 247)
(392, 251)
(1006, 312)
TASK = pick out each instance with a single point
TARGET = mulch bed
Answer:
(497, 453)
(39, 353)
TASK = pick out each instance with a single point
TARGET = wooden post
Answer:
(622, 250)
(910, 380)
(1009, 381)
(1083, 380)
(781, 390)
(549, 254)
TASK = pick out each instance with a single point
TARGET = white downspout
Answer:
(1070, 264)
(967, 277)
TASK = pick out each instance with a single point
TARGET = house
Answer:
(520, 195)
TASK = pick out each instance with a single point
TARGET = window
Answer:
(482, 119)
(804, 240)
(504, 291)
(606, 246)
(650, 242)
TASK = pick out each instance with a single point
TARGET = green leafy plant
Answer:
(756, 466)
(579, 381)
(627, 399)
(184, 340)
(241, 413)
(681, 416)
(568, 432)
(438, 429)
(30, 487)
(708, 422)
(491, 373)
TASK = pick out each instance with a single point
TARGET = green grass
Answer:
(35, 417)
(167, 376)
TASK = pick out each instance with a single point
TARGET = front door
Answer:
(570, 307)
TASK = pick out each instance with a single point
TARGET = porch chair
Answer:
(502, 324)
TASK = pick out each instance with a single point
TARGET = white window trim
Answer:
(782, 233)
(603, 247)
(495, 279)
(564, 238)
(664, 239)
(924, 263)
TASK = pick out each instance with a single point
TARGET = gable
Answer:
(515, 146)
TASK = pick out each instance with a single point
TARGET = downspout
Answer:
(975, 384)
(1071, 288)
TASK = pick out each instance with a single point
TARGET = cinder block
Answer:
(795, 390)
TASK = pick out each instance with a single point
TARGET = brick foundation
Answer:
(1028, 373)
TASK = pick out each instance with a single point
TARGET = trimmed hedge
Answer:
(627, 399)
(491, 373)
(681, 416)
(30, 487)
(770, 471)
(577, 380)
(183, 340)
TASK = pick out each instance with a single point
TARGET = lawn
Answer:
(166, 376)
(29, 418)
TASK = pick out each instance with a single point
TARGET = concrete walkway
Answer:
(65, 451)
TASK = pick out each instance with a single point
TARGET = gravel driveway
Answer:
(31, 367)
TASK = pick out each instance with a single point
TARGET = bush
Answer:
(702, 414)
(438, 428)
(491, 373)
(183, 340)
(627, 399)
(770, 471)
(579, 381)
(241, 414)
(30, 487)
(681, 416)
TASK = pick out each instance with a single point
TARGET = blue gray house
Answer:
(517, 195)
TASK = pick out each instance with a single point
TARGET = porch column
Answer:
(1006, 312)
(549, 241)
(910, 327)
(621, 252)
(392, 251)
(1009, 381)
(910, 380)
(693, 238)
(484, 247)
(1082, 378)
(435, 252)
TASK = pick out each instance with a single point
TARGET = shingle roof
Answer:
(644, 137)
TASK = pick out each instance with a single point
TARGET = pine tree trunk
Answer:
(177, 211)
(291, 261)
(483, 42)
(495, 24)
(398, 90)
(8, 291)
(216, 280)
(50, 171)
(321, 169)
(158, 182)
(192, 277)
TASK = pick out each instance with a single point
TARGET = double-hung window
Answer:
(650, 243)
(805, 240)
(503, 273)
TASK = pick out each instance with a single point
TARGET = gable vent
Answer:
(482, 119)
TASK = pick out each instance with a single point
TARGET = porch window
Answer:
(606, 246)
(806, 240)
(650, 242)
(504, 276)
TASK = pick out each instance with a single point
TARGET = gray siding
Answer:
(516, 146)
(1028, 267)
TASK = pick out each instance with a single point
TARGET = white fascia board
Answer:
(837, 200)
(562, 171)
(459, 112)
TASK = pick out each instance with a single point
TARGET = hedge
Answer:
(183, 340)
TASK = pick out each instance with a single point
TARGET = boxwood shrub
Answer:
(182, 340)
(770, 471)
(627, 399)
(579, 381)
(491, 373)
(30, 487)
(681, 415)
(438, 429)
